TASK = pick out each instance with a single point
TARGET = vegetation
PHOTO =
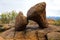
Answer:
(53, 22)
(57, 22)
(7, 17)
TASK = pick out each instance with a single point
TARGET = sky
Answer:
(52, 6)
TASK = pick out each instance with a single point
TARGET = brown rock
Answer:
(38, 13)
(42, 35)
(1, 38)
(53, 36)
(20, 22)
(11, 34)
(8, 34)
(35, 34)
(31, 35)
(19, 35)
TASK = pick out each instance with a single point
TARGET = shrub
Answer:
(57, 22)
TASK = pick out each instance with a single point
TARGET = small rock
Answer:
(20, 22)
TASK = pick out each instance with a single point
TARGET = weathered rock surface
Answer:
(37, 13)
(53, 36)
(1, 38)
(23, 35)
(9, 34)
(20, 22)
(32, 34)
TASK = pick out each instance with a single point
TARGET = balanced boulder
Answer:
(37, 13)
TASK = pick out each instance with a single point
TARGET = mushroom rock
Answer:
(20, 22)
(37, 13)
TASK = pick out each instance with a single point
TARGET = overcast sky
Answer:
(52, 8)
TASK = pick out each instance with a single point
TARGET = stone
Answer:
(37, 13)
(8, 34)
(20, 35)
(11, 34)
(41, 35)
(20, 22)
(53, 36)
(32, 24)
(1, 38)
(31, 35)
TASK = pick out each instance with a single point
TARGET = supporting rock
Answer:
(20, 22)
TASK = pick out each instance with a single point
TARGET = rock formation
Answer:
(37, 13)
(50, 33)
(20, 22)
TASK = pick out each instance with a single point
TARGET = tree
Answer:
(13, 15)
(8, 16)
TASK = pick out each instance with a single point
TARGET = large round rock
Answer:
(38, 13)
(20, 22)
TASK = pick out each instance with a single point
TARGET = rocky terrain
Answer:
(50, 33)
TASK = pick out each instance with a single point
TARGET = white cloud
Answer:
(53, 8)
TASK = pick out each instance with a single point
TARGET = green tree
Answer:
(4, 18)
(13, 15)
(57, 22)
(8, 16)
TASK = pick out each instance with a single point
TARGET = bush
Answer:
(57, 22)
